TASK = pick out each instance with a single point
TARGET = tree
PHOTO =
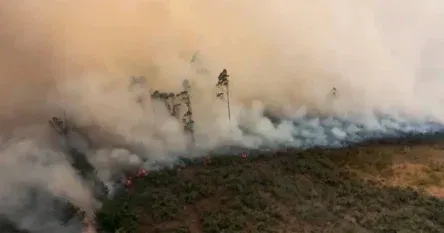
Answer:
(143, 83)
(140, 81)
(187, 118)
(194, 57)
(198, 64)
(60, 126)
(80, 163)
(170, 100)
(224, 86)
(334, 92)
(174, 102)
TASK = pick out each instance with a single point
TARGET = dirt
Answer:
(193, 219)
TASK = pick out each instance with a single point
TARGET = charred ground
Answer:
(379, 186)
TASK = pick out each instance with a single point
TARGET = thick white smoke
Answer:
(284, 57)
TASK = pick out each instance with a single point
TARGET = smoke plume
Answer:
(284, 58)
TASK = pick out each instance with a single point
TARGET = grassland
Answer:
(385, 188)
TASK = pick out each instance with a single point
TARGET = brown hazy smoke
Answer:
(76, 57)
(287, 53)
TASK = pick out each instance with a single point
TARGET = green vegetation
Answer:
(356, 189)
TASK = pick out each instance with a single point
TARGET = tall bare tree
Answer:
(187, 118)
(59, 125)
(172, 103)
(224, 87)
(140, 82)
(79, 161)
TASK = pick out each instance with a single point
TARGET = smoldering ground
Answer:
(283, 57)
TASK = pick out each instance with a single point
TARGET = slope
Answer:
(377, 187)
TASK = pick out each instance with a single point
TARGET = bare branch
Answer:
(58, 125)
(223, 85)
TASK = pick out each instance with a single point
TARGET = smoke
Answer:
(284, 58)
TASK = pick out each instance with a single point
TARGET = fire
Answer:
(128, 181)
(89, 225)
(142, 172)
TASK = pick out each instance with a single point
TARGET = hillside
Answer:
(389, 187)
